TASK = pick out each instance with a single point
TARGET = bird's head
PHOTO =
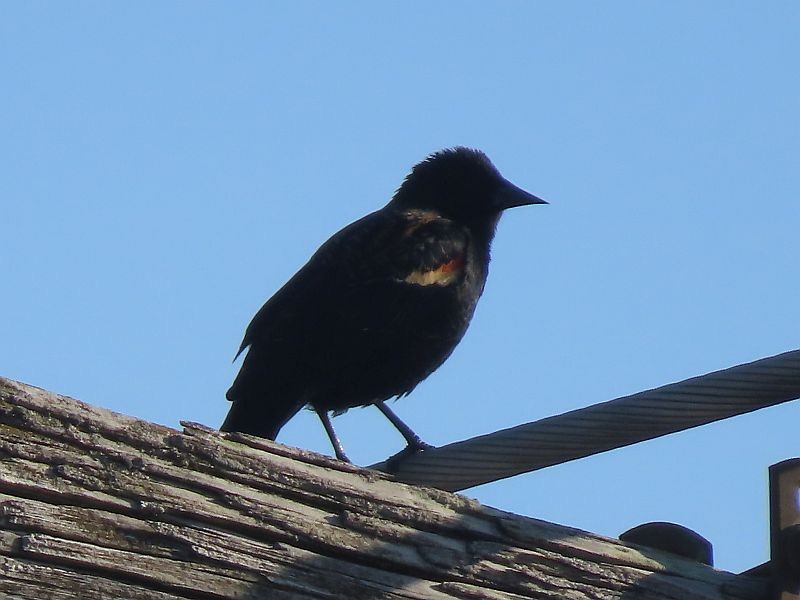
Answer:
(461, 184)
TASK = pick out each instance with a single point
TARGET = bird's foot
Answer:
(418, 446)
(415, 447)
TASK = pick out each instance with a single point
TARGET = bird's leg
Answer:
(415, 444)
(337, 445)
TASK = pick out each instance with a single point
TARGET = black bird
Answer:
(380, 305)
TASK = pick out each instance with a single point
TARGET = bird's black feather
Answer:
(379, 306)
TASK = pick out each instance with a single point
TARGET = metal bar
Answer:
(606, 426)
(784, 500)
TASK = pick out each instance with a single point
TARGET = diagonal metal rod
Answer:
(606, 426)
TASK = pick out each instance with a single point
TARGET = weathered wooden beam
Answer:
(95, 504)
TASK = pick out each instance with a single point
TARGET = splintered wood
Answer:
(97, 505)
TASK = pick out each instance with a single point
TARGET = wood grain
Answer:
(98, 505)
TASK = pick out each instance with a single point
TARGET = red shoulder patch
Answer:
(445, 274)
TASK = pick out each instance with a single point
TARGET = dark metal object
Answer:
(673, 538)
(784, 498)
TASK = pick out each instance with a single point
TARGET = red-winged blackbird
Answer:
(380, 305)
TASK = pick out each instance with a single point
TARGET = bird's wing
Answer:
(384, 253)
(436, 254)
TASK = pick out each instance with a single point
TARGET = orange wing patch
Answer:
(445, 274)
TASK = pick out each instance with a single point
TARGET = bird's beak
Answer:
(508, 196)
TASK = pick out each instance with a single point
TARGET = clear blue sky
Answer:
(167, 166)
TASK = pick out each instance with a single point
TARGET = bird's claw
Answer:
(413, 448)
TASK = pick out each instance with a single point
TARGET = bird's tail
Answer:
(261, 418)
(261, 401)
